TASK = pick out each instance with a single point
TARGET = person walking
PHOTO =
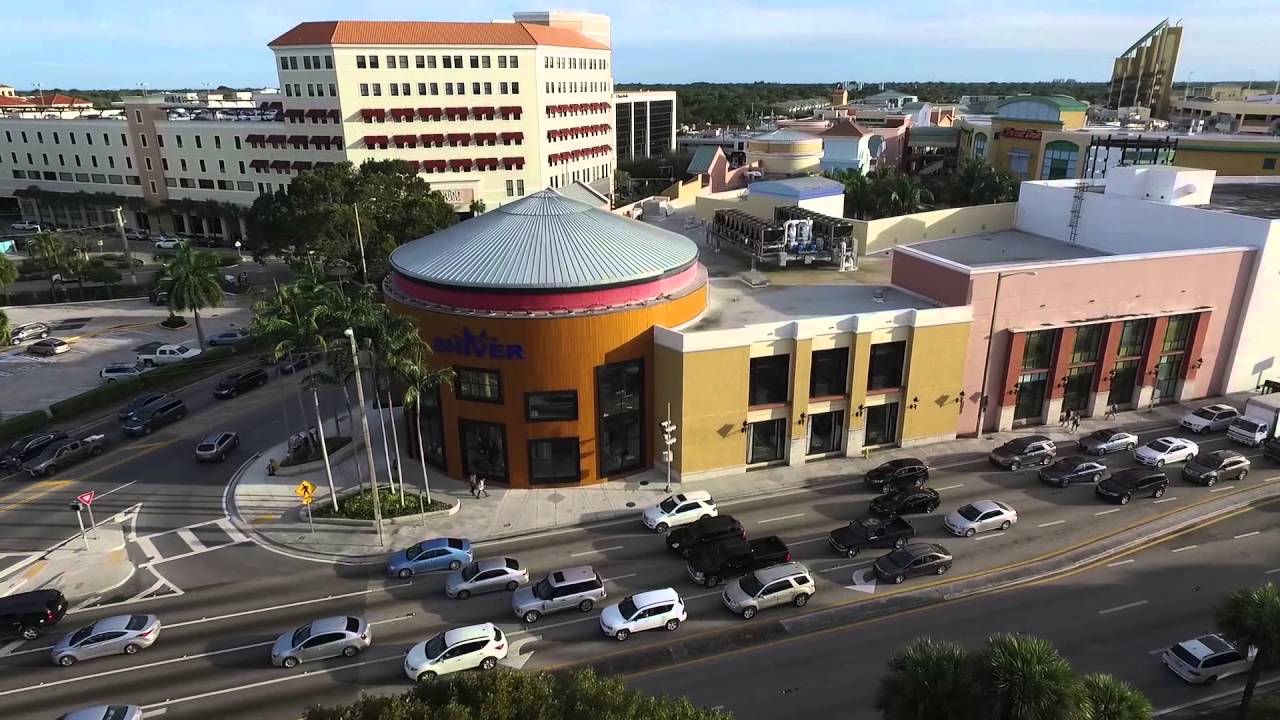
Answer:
(473, 482)
(1075, 421)
(480, 489)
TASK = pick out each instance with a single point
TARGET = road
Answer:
(1116, 617)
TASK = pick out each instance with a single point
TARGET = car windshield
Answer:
(1015, 446)
(1248, 426)
(81, 634)
(301, 634)
(1066, 463)
(470, 571)
(414, 550)
(668, 505)
(205, 446)
(1204, 414)
(627, 608)
(19, 445)
(750, 585)
(1161, 446)
(542, 590)
(1185, 655)
(181, 350)
(1213, 461)
(969, 512)
(898, 558)
(435, 647)
(1102, 435)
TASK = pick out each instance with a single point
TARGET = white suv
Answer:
(1207, 659)
(26, 225)
(677, 510)
(1209, 418)
(647, 610)
(474, 646)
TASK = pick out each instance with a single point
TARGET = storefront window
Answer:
(830, 372)
(1178, 333)
(479, 385)
(432, 428)
(769, 379)
(826, 432)
(484, 449)
(554, 405)
(554, 460)
(1133, 337)
(1059, 160)
(1167, 372)
(1122, 383)
(882, 425)
(1039, 350)
(1031, 392)
(1079, 381)
(767, 441)
(620, 396)
(1019, 163)
(1086, 348)
(980, 145)
(884, 370)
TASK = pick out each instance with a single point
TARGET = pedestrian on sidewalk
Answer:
(472, 479)
(271, 467)
(1075, 421)
(480, 489)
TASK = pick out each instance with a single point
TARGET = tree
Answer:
(860, 199)
(6, 331)
(194, 284)
(899, 194)
(51, 252)
(1251, 617)
(1024, 678)
(976, 182)
(77, 265)
(928, 680)
(476, 207)
(1110, 699)
(8, 275)
(104, 274)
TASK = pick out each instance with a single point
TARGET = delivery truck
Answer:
(1258, 422)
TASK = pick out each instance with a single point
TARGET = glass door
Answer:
(768, 441)
(826, 432)
(1031, 391)
(1122, 384)
(1076, 395)
(1167, 372)
(882, 424)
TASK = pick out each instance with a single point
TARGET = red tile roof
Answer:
(7, 101)
(373, 32)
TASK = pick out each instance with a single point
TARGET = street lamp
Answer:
(668, 441)
(368, 441)
(238, 253)
(364, 270)
(991, 336)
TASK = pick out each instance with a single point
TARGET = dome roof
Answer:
(544, 241)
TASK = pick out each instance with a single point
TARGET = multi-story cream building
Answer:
(484, 111)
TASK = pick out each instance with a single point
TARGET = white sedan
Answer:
(1165, 450)
(168, 243)
(979, 516)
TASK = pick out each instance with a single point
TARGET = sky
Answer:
(183, 43)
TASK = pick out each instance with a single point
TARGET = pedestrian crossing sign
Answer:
(305, 490)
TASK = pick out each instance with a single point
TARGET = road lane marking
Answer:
(950, 487)
(1220, 488)
(120, 487)
(1272, 572)
(1107, 512)
(793, 543)
(618, 577)
(1184, 547)
(593, 552)
(184, 556)
(299, 603)
(1118, 608)
(1051, 524)
(1165, 500)
(784, 517)
(1120, 562)
(1248, 534)
(190, 538)
(988, 536)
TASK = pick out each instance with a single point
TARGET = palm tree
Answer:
(978, 183)
(51, 252)
(899, 194)
(1251, 617)
(420, 381)
(194, 277)
(8, 275)
(859, 195)
(1024, 678)
(1110, 699)
(78, 266)
(928, 680)
(5, 329)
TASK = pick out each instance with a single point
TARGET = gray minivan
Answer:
(576, 587)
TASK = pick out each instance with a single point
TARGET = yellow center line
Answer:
(21, 499)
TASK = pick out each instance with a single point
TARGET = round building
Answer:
(785, 152)
(545, 310)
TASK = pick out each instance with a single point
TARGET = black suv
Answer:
(25, 448)
(236, 383)
(1208, 468)
(900, 474)
(706, 530)
(1021, 452)
(25, 614)
(154, 416)
(140, 404)
(1122, 486)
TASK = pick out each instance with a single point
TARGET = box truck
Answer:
(1258, 422)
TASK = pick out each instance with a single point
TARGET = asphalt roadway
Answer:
(232, 601)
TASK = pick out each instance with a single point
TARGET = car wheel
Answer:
(426, 676)
(50, 471)
(1158, 493)
(662, 527)
(131, 649)
(511, 586)
(111, 381)
(29, 633)
(622, 635)
(1006, 525)
(584, 606)
(748, 613)
(464, 594)
(1046, 460)
(930, 507)
(898, 579)
(711, 581)
(290, 662)
(1211, 482)
(405, 573)
(851, 553)
(1124, 499)
(96, 450)
(704, 517)
(350, 651)
(455, 564)
(672, 624)
(146, 430)
(235, 393)
(801, 600)
(942, 570)
(1130, 447)
(970, 532)
(1063, 483)
(1243, 474)
(1160, 462)
(489, 663)
(66, 661)
(1015, 466)
(235, 441)
(532, 616)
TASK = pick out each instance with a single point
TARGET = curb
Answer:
(389, 522)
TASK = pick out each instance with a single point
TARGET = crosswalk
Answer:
(189, 541)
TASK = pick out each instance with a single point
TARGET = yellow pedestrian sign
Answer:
(305, 490)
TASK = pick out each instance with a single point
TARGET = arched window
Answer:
(980, 146)
(1059, 160)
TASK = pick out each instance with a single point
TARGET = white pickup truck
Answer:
(167, 354)
(1258, 422)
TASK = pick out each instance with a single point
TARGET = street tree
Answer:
(1251, 617)
(6, 331)
(1024, 678)
(927, 680)
(51, 252)
(1108, 698)
(8, 275)
(421, 382)
(194, 284)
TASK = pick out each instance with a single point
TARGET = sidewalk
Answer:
(79, 572)
(267, 508)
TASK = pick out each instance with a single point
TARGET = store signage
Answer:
(478, 345)
(1020, 134)
(458, 196)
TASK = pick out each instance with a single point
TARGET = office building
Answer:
(645, 123)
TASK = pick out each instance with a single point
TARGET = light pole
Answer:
(991, 336)
(124, 240)
(368, 441)
(364, 270)
(1186, 92)
(238, 253)
(668, 440)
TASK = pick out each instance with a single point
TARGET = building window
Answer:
(502, 62)
(1168, 370)
(484, 449)
(360, 62)
(554, 460)
(511, 189)
(620, 399)
(1019, 163)
(431, 62)
(829, 373)
(1268, 163)
(479, 385)
(373, 62)
(552, 405)
(980, 145)
(520, 188)
(1123, 379)
(1059, 160)
(769, 379)
(1076, 393)
(404, 62)
(1039, 350)
(826, 432)
(475, 88)
(1178, 333)
(475, 61)
(1133, 337)
(515, 88)
(1030, 399)
(884, 368)
(768, 441)
(513, 62)
(364, 89)
(1088, 344)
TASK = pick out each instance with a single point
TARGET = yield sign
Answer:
(86, 498)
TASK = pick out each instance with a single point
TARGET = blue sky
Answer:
(183, 43)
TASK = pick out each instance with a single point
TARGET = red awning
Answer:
(275, 138)
(510, 162)
(259, 163)
(253, 139)
(298, 139)
(277, 106)
(406, 139)
(455, 112)
(484, 163)
(428, 113)
(333, 114)
(435, 139)
(371, 140)
(370, 113)
(506, 110)
(301, 164)
(459, 163)
(317, 113)
(413, 164)
(430, 165)
(517, 136)
(280, 164)
(293, 113)
(483, 111)
(487, 137)
(337, 140)
(455, 138)
(320, 165)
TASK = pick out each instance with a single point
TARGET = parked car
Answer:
(1207, 659)
(155, 416)
(231, 337)
(1165, 450)
(850, 539)
(428, 555)
(1106, 441)
(343, 636)
(28, 331)
(1122, 486)
(168, 354)
(787, 584)
(27, 447)
(1207, 469)
(1073, 469)
(914, 559)
(159, 296)
(1271, 449)
(900, 474)
(704, 531)
(26, 225)
(105, 712)
(1209, 418)
(27, 614)
(136, 234)
(65, 453)
(115, 372)
(49, 346)
(293, 362)
(140, 403)
(576, 587)
(920, 500)
(474, 646)
(487, 575)
(980, 516)
(710, 564)
(236, 383)
(676, 510)
(215, 446)
(643, 611)
(1021, 452)
(168, 243)
(119, 634)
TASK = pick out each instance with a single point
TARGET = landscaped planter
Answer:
(416, 519)
(336, 456)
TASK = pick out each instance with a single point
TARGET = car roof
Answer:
(212, 438)
(903, 462)
(654, 597)
(1135, 473)
(31, 598)
(483, 631)
(493, 563)
(1217, 407)
(1206, 645)
(693, 495)
(330, 624)
(985, 505)
(567, 576)
(918, 549)
(777, 572)
(115, 622)
(98, 712)
(1025, 441)
(1224, 454)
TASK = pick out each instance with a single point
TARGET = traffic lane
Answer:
(798, 676)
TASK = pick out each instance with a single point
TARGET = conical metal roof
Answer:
(544, 241)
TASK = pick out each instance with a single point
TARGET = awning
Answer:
(456, 138)
(280, 164)
(298, 139)
(277, 106)
(264, 105)
(413, 164)
(259, 163)
(320, 165)
(506, 110)
(483, 111)
(293, 113)
(275, 138)
(253, 139)
(371, 140)
(516, 136)
(553, 134)
(403, 113)
(513, 162)
(337, 140)
(460, 163)
(483, 163)
(317, 113)
(371, 113)
(434, 165)
(411, 140)
(455, 112)
(333, 115)
(487, 137)
(433, 139)
(318, 140)
(428, 113)
(301, 164)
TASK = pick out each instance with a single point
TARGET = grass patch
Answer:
(359, 506)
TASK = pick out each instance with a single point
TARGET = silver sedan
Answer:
(488, 575)
(106, 712)
(125, 634)
(319, 639)
(976, 517)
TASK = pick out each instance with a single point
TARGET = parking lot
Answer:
(99, 333)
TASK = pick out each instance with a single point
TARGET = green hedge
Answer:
(71, 293)
(228, 260)
(157, 379)
(16, 427)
